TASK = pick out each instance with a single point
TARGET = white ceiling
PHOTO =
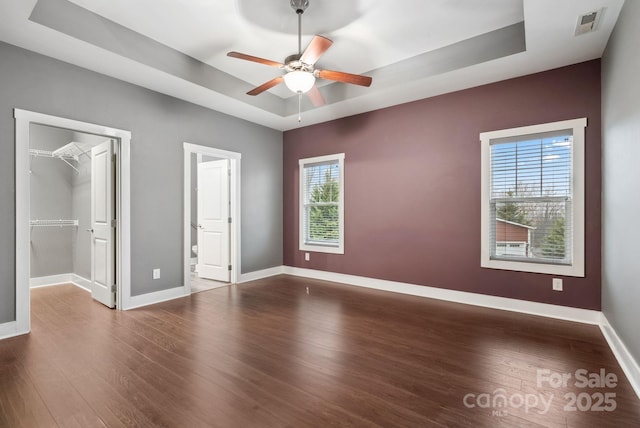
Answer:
(412, 48)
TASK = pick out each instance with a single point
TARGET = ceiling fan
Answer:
(300, 76)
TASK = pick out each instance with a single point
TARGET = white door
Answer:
(102, 230)
(213, 220)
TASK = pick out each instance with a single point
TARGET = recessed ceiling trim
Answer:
(205, 30)
(496, 44)
(82, 24)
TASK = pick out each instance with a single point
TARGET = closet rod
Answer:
(60, 223)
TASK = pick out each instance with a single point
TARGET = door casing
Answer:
(23, 120)
(234, 198)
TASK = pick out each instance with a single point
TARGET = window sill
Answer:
(321, 249)
(562, 270)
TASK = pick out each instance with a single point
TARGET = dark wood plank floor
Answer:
(286, 351)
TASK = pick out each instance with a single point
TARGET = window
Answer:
(322, 204)
(533, 198)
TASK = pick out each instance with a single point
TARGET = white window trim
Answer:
(577, 266)
(339, 249)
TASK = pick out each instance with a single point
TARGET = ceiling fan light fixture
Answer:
(299, 81)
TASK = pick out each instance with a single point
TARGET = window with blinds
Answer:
(533, 208)
(531, 195)
(322, 204)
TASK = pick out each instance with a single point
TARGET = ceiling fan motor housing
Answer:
(299, 5)
(293, 63)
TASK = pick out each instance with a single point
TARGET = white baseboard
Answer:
(629, 365)
(503, 303)
(47, 281)
(154, 297)
(81, 282)
(10, 329)
(260, 274)
(65, 278)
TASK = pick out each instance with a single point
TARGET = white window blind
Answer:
(321, 203)
(533, 198)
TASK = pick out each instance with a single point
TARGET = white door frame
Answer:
(234, 198)
(24, 119)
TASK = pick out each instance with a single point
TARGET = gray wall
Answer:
(51, 198)
(621, 178)
(159, 125)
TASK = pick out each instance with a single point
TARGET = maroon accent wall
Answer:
(412, 185)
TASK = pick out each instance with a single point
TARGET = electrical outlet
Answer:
(306, 257)
(156, 274)
(556, 284)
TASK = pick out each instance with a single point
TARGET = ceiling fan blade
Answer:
(316, 97)
(339, 76)
(268, 85)
(316, 48)
(255, 59)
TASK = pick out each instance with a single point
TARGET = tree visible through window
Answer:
(321, 209)
(323, 206)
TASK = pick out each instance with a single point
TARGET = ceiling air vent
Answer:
(588, 22)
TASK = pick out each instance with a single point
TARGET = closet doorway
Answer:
(72, 209)
(212, 217)
(72, 205)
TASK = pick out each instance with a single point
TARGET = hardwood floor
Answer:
(293, 352)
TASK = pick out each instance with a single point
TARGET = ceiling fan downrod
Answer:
(299, 6)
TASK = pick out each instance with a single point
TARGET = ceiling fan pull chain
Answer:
(299, 107)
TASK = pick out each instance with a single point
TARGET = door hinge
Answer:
(114, 288)
(113, 157)
(229, 267)
(114, 223)
(229, 219)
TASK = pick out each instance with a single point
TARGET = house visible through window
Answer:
(533, 198)
(322, 204)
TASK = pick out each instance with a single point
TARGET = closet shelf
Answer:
(66, 153)
(50, 154)
(59, 223)
(71, 150)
